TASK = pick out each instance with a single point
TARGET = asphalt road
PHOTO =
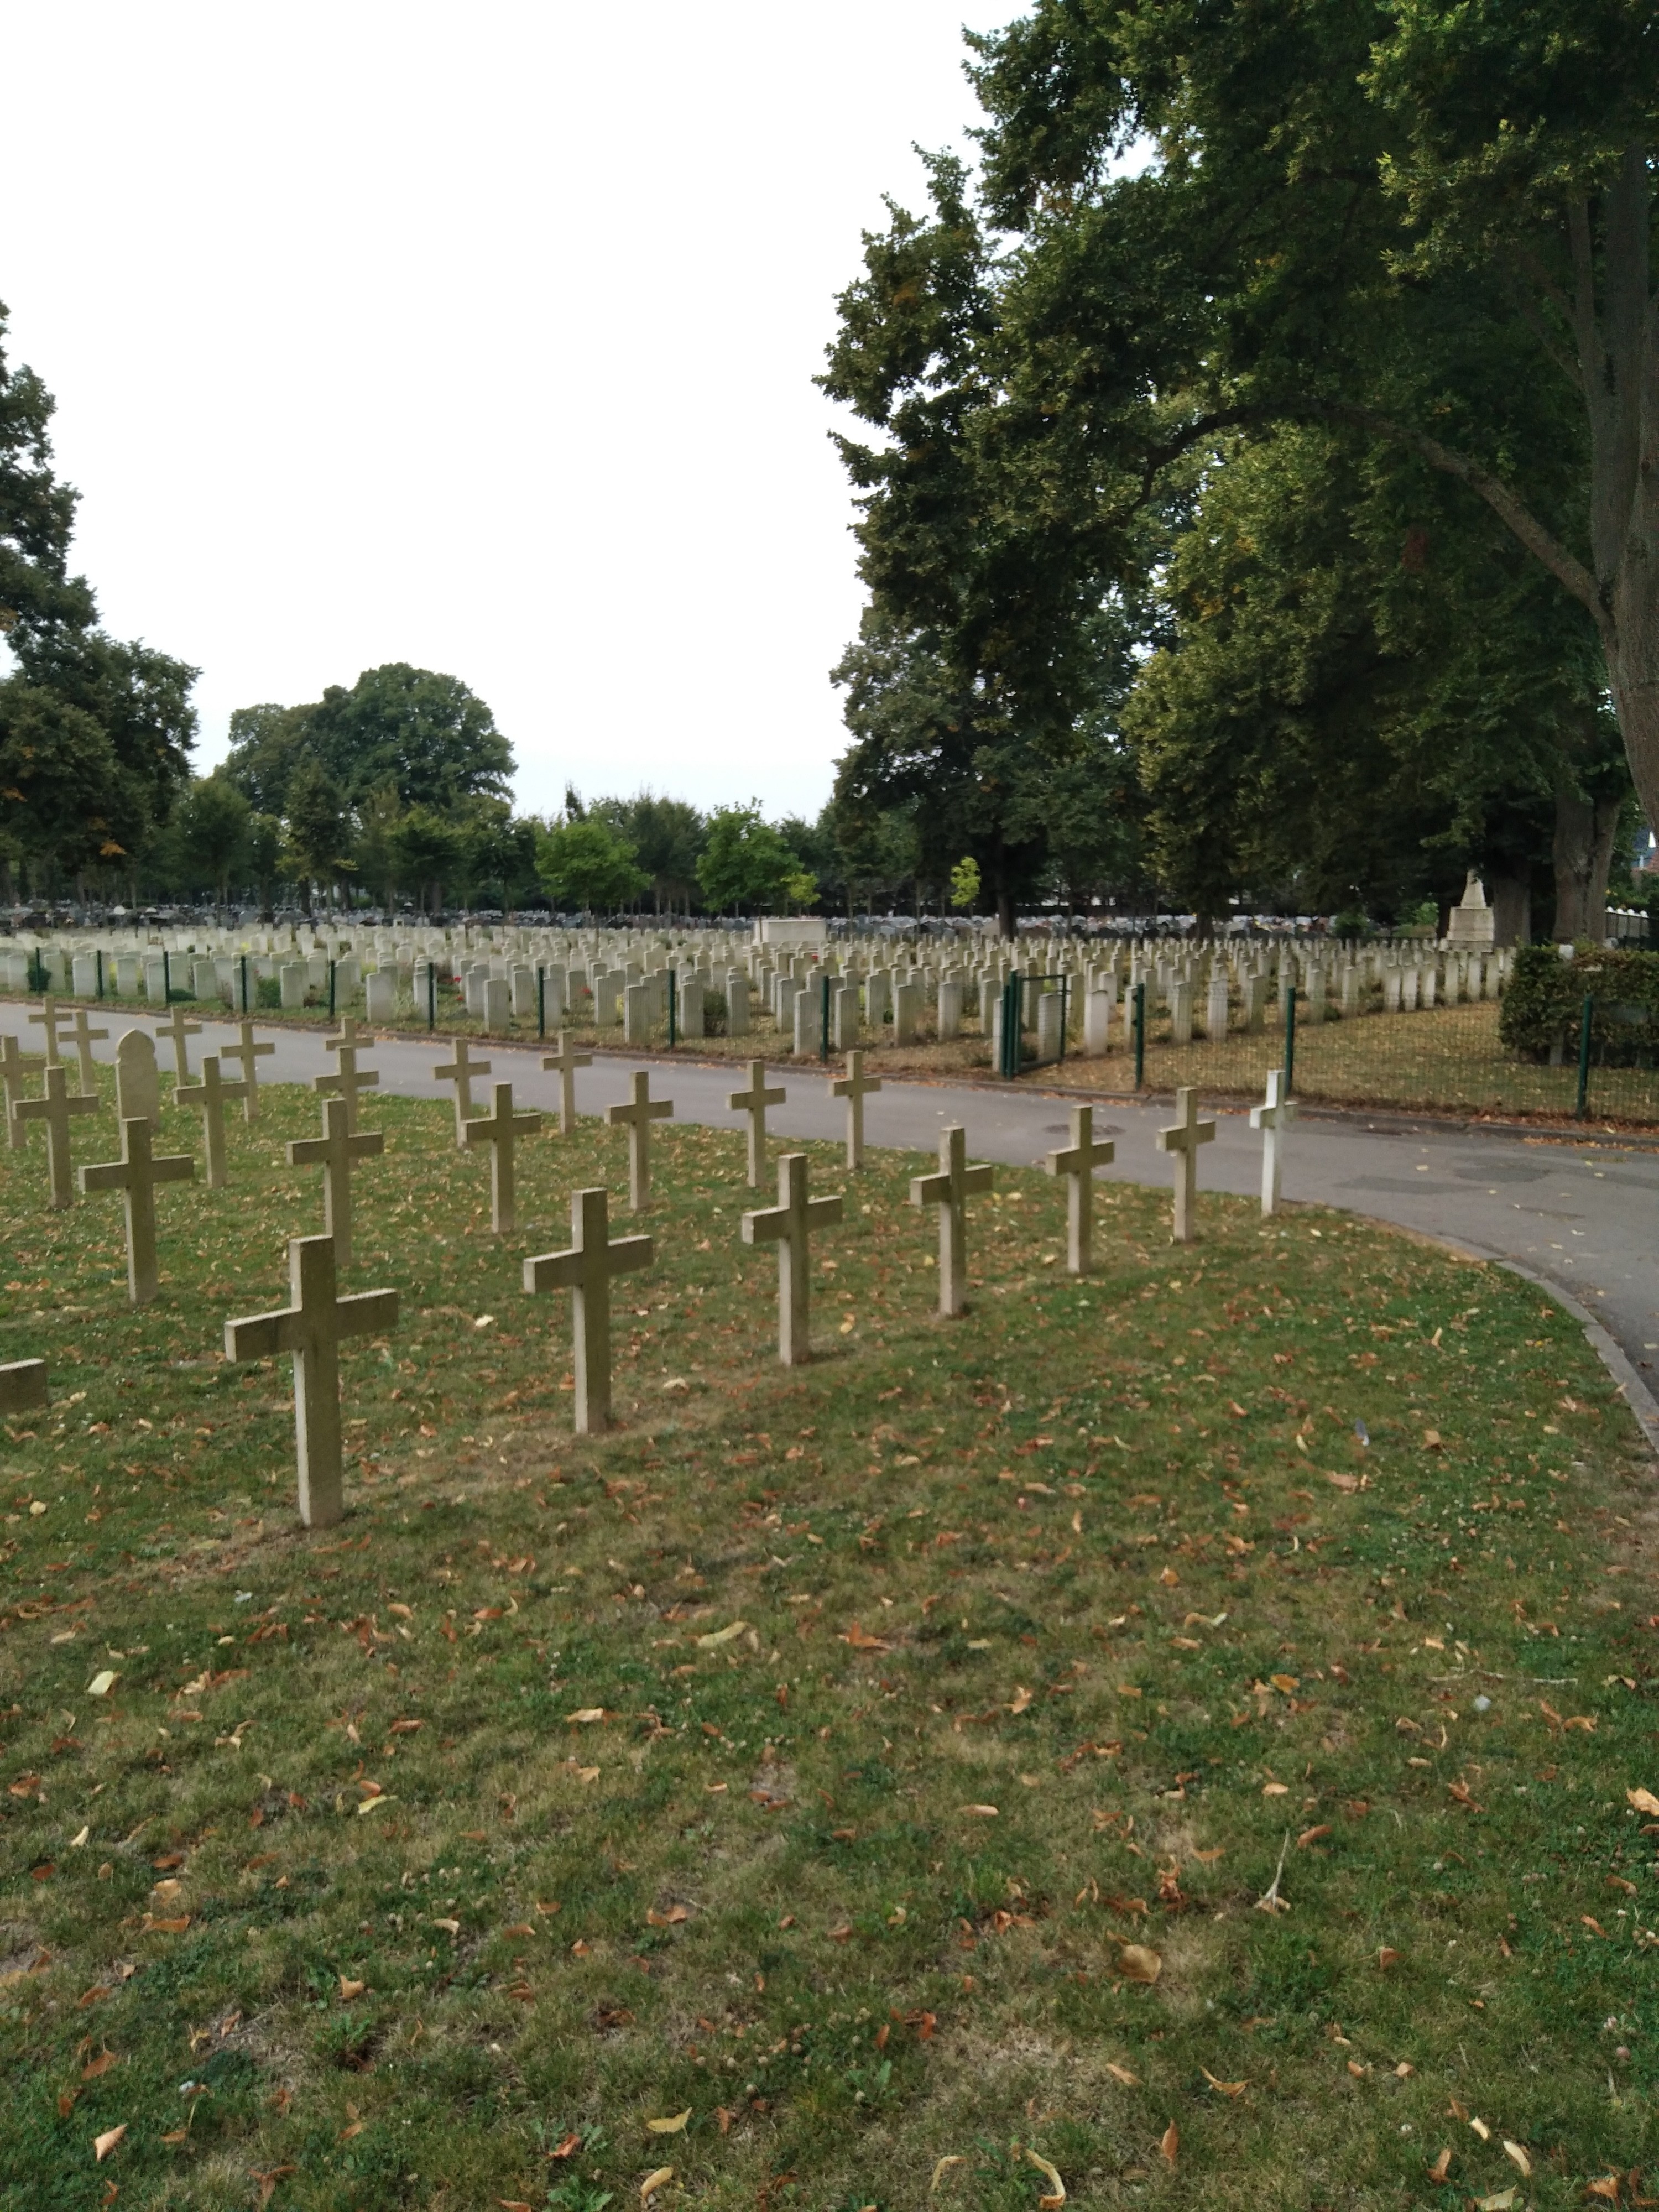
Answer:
(1575, 1212)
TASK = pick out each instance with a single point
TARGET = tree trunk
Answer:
(1512, 907)
(1585, 830)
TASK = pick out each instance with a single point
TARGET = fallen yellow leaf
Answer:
(586, 1717)
(103, 2144)
(653, 2181)
(1643, 1799)
(714, 1641)
(101, 1683)
(1138, 1962)
(1122, 2074)
(981, 1811)
(1022, 1697)
(942, 2166)
(1442, 2165)
(374, 1804)
(1517, 2157)
(1225, 2088)
(449, 1927)
(349, 1990)
(1169, 2145)
(674, 2126)
(1056, 2195)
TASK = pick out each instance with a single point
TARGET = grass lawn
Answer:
(870, 1785)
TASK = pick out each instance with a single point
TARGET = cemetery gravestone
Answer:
(1077, 1162)
(13, 1064)
(48, 1017)
(1273, 1117)
(854, 1087)
(754, 1102)
(501, 1131)
(585, 1269)
(85, 1037)
(175, 1030)
(566, 1061)
(210, 1094)
(22, 1386)
(789, 1225)
(312, 1329)
(137, 1086)
(136, 1175)
(334, 1152)
(636, 1117)
(460, 1071)
(1182, 1141)
(55, 1109)
(949, 1190)
(248, 1054)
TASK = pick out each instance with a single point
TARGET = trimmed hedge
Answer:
(1544, 998)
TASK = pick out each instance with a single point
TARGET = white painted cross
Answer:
(789, 1225)
(636, 1117)
(460, 1071)
(854, 1087)
(334, 1152)
(754, 1102)
(347, 1079)
(1077, 1162)
(1273, 1117)
(949, 1190)
(55, 1109)
(175, 1029)
(210, 1094)
(22, 1385)
(501, 1131)
(13, 1063)
(136, 1175)
(311, 1328)
(566, 1061)
(586, 1269)
(1184, 1140)
(85, 1038)
(49, 1015)
(249, 1054)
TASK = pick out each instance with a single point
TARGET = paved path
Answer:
(1580, 1214)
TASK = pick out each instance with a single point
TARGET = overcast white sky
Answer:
(480, 338)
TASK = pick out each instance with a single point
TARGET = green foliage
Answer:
(667, 835)
(745, 864)
(214, 830)
(586, 868)
(1543, 1004)
(965, 883)
(431, 738)
(317, 835)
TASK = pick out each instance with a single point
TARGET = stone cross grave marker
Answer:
(854, 1087)
(1077, 1162)
(50, 1016)
(754, 1102)
(176, 1030)
(460, 1071)
(1273, 1117)
(348, 1078)
(500, 1130)
(565, 1062)
(789, 1225)
(1183, 1139)
(210, 1094)
(136, 1175)
(13, 1064)
(585, 1269)
(334, 1152)
(22, 1385)
(137, 1087)
(248, 1054)
(949, 1190)
(311, 1328)
(636, 1117)
(55, 1109)
(85, 1037)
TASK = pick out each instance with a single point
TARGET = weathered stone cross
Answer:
(349, 1079)
(22, 1385)
(50, 1014)
(210, 1094)
(13, 1062)
(460, 1071)
(1078, 1161)
(55, 1109)
(334, 1152)
(85, 1038)
(136, 1175)
(1184, 1140)
(586, 1269)
(1273, 1117)
(500, 1130)
(789, 1225)
(636, 1117)
(566, 1061)
(175, 1029)
(313, 1329)
(854, 1087)
(754, 1102)
(250, 1054)
(949, 1190)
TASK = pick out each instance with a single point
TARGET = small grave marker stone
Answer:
(500, 1130)
(789, 1225)
(210, 1095)
(136, 1175)
(1182, 1141)
(334, 1152)
(585, 1269)
(1077, 1162)
(949, 1190)
(55, 1109)
(754, 1102)
(636, 1117)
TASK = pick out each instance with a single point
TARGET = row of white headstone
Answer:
(319, 1319)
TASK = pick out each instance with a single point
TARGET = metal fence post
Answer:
(540, 999)
(101, 971)
(823, 1017)
(166, 978)
(1582, 1107)
(431, 994)
(1139, 1019)
(245, 1008)
(330, 990)
(1290, 1040)
(673, 1009)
